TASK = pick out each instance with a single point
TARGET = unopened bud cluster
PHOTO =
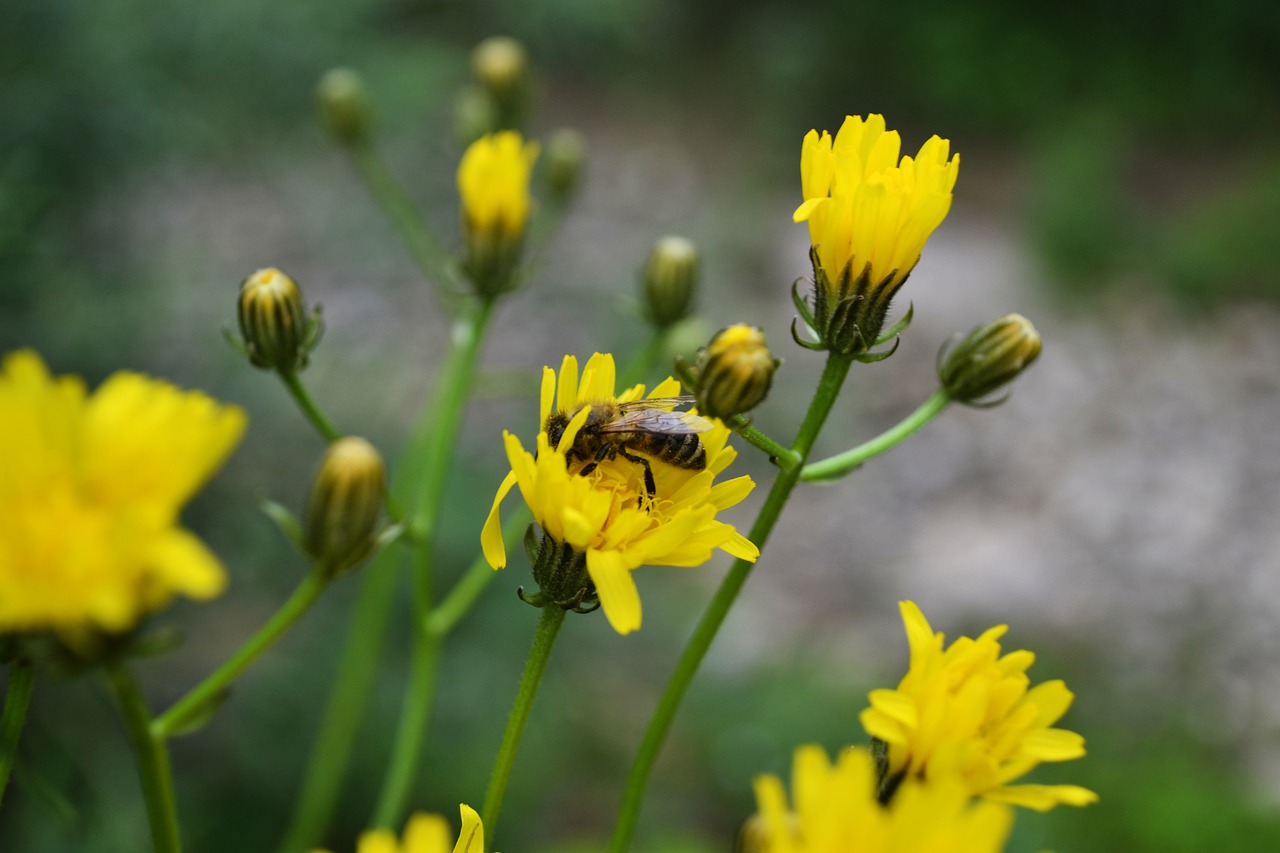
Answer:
(734, 372)
(340, 524)
(670, 280)
(988, 359)
(278, 333)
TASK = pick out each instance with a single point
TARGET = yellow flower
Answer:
(869, 216)
(608, 516)
(493, 180)
(967, 712)
(90, 496)
(836, 811)
(425, 833)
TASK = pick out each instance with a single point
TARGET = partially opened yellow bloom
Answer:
(426, 833)
(968, 712)
(869, 213)
(90, 494)
(493, 182)
(607, 516)
(834, 810)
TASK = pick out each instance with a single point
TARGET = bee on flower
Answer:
(607, 512)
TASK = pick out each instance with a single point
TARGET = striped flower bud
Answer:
(340, 524)
(734, 372)
(991, 357)
(277, 332)
(670, 280)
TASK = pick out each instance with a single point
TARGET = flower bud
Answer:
(734, 372)
(499, 65)
(988, 359)
(277, 332)
(493, 184)
(343, 106)
(670, 279)
(341, 519)
(474, 115)
(566, 152)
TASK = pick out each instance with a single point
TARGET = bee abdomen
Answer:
(687, 452)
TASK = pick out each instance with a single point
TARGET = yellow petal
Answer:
(619, 596)
(426, 833)
(495, 550)
(471, 836)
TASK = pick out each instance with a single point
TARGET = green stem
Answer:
(308, 406)
(17, 698)
(352, 686)
(843, 463)
(456, 381)
(543, 639)
(833, 376)
(152, 755)
(785, 457)
(201, 700)
(449, 612)
(432, 260)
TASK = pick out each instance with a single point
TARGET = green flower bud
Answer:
(670, 279)
(474, 115)
(734, 372)
(340, 524)
(499, 65)
(277, 332)
(988, 359)
(343, 106)
(566, 152)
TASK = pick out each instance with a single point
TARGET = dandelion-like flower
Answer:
(607, 518)
(425, 833)
(91, 492)
(835, 810)
(869, 216)
(968, 712)
(493, 181)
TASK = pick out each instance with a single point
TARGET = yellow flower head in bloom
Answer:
(836, 811)
(869, 216)
(426, 833)
(968, 712)
(493, 180)
(607, 515)
(90, 495)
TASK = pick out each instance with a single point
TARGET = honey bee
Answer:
(640, 426)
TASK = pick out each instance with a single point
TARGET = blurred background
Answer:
(1120, 186)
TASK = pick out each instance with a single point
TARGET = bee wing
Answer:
(656, 403)
(658, 422)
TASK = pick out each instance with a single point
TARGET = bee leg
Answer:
(650, 486)
(605, 452)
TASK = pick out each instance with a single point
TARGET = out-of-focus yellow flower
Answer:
(608, 516)
(967, 712)
(869, 216)
(90, 495)
(493, 181)
(425, 833)
(835, 810)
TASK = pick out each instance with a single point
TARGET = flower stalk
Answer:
(17, 699)
(835, 467)
(544, 638)
(152, 755)
(194, 707)
(833, 376)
